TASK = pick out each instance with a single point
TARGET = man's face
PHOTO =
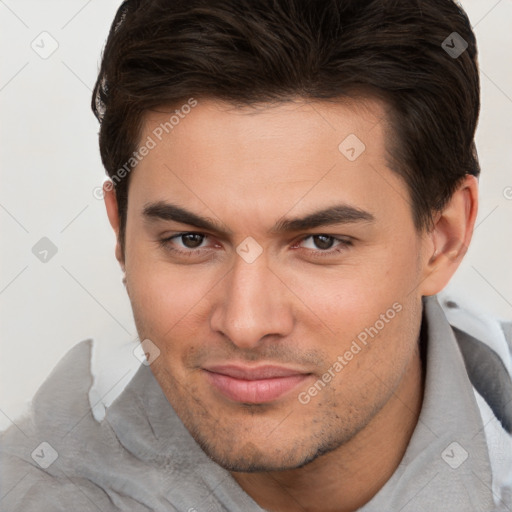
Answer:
(278, 341)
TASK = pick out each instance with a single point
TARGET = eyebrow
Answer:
(337, 214)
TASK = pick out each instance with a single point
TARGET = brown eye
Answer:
(323, 245)
(192, 240)
(323, 241)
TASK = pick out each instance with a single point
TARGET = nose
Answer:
(252, 303)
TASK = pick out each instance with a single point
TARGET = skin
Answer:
(293, 306)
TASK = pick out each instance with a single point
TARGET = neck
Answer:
(348, 477)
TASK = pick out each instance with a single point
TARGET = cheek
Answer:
(166, 298)
(351, 296)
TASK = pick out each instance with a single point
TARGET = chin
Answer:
(251, 458)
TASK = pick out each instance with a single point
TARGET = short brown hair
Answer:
(161, 52)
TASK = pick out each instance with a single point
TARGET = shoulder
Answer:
(486, 347)
(38, 452)
(61, 399)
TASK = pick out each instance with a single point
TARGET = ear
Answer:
(109, 196)
(448, 241)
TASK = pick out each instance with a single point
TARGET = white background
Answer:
(50, 166)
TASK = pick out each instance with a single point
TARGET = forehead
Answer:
(299, 126)
(292, 155)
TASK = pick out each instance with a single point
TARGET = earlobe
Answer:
(109, 197)
(450, 237)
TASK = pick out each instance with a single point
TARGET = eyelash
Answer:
(343, 245)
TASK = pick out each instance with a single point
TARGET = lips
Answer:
(257, 385)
